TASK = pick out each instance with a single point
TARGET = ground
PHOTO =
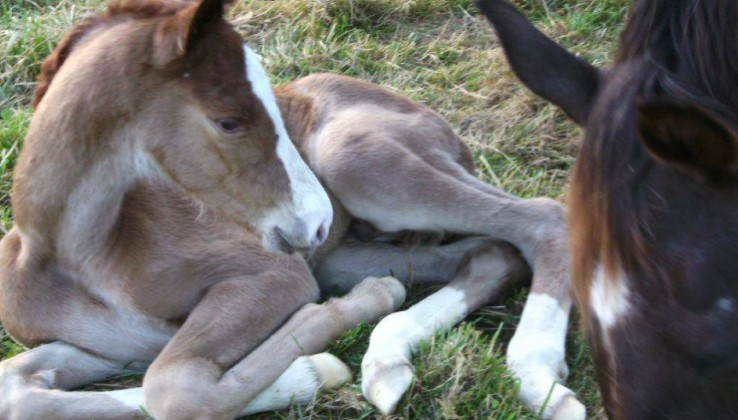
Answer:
(438, 52)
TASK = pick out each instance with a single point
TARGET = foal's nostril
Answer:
(321, 234)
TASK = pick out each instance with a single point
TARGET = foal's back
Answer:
(349, 111)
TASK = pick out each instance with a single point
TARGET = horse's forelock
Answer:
(693, 40)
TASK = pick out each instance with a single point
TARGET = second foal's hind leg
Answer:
(395, 189)
(351, 262)
(485, 274)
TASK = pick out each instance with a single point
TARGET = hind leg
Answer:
(353, 261)
(33, 385)
(486, 274)
(395, 189)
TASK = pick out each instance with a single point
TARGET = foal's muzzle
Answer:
(301, 233)
(304, 236)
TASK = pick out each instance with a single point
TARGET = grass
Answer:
(438, 52)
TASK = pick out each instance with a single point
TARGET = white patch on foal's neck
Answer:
(310, 201)
(609, 298)
(94, 203)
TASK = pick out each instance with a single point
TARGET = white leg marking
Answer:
(536, 357)
(132, 398)
(310, 204)
(386, 368)
(300, 383)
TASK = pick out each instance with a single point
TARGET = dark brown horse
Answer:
(653, 202)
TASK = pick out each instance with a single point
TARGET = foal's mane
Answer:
(684, 49)
(118, 10)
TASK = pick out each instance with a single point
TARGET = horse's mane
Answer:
(118, 10)
(695, 41)
(684, 49)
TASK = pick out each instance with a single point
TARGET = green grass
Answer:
(438, 52)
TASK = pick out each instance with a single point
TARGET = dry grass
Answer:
(438, 52)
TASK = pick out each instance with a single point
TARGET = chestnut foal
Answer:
(654, 201)
(158, 202)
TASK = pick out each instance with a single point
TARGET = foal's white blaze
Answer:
(536, 358)
(609, 298)
(310, 211)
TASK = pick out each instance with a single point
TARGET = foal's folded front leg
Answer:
(207, 372)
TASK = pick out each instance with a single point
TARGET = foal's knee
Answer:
(182, 391)
(550, 219)
(546, 229)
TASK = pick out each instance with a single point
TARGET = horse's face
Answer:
(655, 234)
(654, 227)
(215, 129)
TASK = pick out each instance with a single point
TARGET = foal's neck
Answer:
(70, 184)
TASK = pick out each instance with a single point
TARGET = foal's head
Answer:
(654, 201)
(170, 90)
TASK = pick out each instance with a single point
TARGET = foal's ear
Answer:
(178, 35)
(546, 68)
(688, 136)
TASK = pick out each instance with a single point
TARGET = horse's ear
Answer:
(546, 68)
(180, 34)
(688, 136)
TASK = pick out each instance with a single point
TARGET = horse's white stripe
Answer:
(309, 200)
(609, 298)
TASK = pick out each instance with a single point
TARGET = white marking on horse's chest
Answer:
(609, 298)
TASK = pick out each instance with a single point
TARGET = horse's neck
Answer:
(68, 194)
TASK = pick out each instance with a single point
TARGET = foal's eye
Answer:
(230, 125)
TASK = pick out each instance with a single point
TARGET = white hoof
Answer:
(540, 392)
(570, 409)
(389, 286)
(385, 382)
(332, 372)
(300, 383)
